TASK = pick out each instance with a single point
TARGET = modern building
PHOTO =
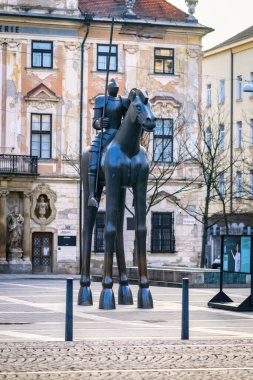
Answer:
(227, 68)
(52, 58)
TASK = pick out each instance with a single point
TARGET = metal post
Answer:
(69, 311)
(185, 309)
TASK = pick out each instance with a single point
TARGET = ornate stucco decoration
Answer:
(72, 46)
(41, 97)
(194, 53)
(131, 49)
(165, 107)
(43, 210)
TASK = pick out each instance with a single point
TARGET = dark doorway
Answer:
(42, 252)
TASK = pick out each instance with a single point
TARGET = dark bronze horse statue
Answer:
(124, 165)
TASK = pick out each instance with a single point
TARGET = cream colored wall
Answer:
(216, 66)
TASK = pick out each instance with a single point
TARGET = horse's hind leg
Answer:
(124, 294)
(145, 300)
(107, 300)
(85, 295)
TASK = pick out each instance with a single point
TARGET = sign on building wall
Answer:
(66, 250)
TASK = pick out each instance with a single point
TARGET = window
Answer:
(103, 55)
(239, 88)
(208, 142)
(222, 91)
(208, 95)
(221, 136)
(42, 54)
(251, 132)
(162, 234)
(238, 184)
(164, 61)
(41, 135)
(251, 81)
(251, 183)
(163, 141)
(222, 185)
(239, 134)
(99, 232)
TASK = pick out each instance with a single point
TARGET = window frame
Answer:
(163, 57)
(251, 132)
(40, 133)
(239, 134)
(222, 92)
(99, 247)
(239, 87)
(161, 227)
(164, 137)
(239, 184)
(208, 95)
(106, 55)
(41, 51)
(251, 183)
(222, 185)
(221, 136)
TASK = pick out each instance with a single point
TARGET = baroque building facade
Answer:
(227, 68)
(52, 57)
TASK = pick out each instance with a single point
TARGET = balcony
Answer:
(18, 165)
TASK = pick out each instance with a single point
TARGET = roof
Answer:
(158, 9)
(244, 35)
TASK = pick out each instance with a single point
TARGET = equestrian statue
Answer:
(123, 164)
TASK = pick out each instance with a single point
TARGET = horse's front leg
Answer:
(124, 294)
(107, 300)
(145, 300)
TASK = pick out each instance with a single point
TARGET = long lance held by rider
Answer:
(103, 113)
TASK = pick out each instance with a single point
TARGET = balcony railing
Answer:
(18, 165)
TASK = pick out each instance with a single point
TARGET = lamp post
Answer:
(191, 4)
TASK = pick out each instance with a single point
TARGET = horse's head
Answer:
(141, 106)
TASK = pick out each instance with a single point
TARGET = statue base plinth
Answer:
(4, 266)
(14, 255)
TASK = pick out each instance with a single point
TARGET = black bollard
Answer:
(185, 309)
(69, 311)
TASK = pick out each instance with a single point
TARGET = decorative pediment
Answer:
(41, 97)
(165, 107)
(42, 92)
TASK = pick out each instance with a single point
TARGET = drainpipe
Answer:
(81, 137)
(231, 129)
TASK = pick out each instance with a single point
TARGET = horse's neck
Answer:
(129, 135)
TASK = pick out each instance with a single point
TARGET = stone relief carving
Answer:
(15, 228)
(43, 209)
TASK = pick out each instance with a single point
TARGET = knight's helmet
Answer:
(113, 87)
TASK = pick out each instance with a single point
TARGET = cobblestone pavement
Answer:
(137, 360)
(126, 343)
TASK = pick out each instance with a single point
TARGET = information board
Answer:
(236, 254)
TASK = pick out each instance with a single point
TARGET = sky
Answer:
(227, 17)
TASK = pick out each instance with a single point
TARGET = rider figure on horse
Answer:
(116, 107)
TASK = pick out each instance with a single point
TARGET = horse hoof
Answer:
(85, 296)
(125, 295)
(145, 300)
(107, 300)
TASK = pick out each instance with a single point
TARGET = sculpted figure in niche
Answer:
(15, 226)
(43, 207)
